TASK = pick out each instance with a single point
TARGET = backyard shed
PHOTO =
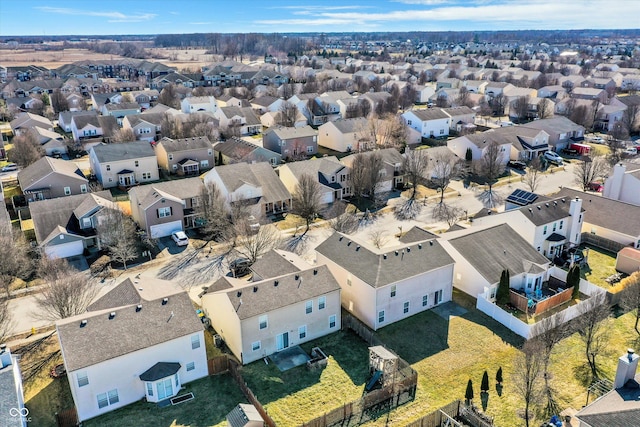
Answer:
(244, 415)
(628, 260)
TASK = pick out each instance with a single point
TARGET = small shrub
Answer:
(100, 265)
(484, 386)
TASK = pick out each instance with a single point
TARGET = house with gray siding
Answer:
(49, 178)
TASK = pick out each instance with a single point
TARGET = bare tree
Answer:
(341, 219)
(15, 261)
(66, 293)
(254, 245)
(593, 328)
(498, 104)
(630, 117)
(287, 114)
(306, 200)
(6, 320)
(520, 107)
(588, 169)
(123, 135)
(545, 109)
(171, 127)
(448, 213)
(59, 102)
(366, 175)
(490, 167)
(630, 298)
(378, 238)
(444, 166)
(169, 96)
(534, 174)
(117, 232)
(415, 165)
(215, 214)
(26, 150)
(527, 375)
(616, 144)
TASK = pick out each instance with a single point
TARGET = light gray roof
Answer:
(558, 124)
(153, 118)
(383, 268)
(292, 132)
(104, 338)
(618, 408)
(265, 296)
(185, 144)
(264, 101)
(9, 395)
(350, 125)
(35, 172)
(495, 249)
(417, 234)
(272, 264)
(122, 106)
(458, 111)
(124, 151)
(430, 114)
(242, 414)
(325, 165)
(256, 174)
(510, 134)
(607, 213)
(246, 112)
(546, 211)
(182, 189)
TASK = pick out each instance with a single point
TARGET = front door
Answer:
(282, 341)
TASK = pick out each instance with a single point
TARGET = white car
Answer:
(10, 167)
(597, 139)
(180, 238)
(552, 157)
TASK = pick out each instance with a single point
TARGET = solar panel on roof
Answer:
(522, 197)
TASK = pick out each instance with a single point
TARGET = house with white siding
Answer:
(124, 165)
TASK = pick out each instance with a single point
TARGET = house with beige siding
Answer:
(49, 178)
(345, 135)
(384, 285)
(260, 318)
(165, 207)
(333, 177)
(291, 142)
(124, 165)
(146, 127)
(185, 156)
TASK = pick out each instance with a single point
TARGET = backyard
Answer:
(600, 265)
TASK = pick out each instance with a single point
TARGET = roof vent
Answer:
(430, 242)
(530, 210)
(539, 208)
(349, 243)
(546, 204)
(255, 289)
(555, 203)
(83, 323)
(138, 307)
(112, 315)
(340, 238)
(384, 256)
(489, 212)
(358, 248)
(408, 249)
(165, 301)
(315, 272)
(397, 253)
(275, 283)
(562, 200)
(297, 276)
(419, 245)
(577, 198)
(239, 294)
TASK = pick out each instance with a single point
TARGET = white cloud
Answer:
(200, 23)
(113, 16)
(424, 2)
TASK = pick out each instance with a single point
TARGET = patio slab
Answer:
(449, 309)
(289, 358)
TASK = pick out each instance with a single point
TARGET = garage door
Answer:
(64, 250)
(162, 230)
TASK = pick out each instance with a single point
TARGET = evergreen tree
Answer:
(503, 288)
(499, 375)
(484, 386)
(573, 279)
(468, 395)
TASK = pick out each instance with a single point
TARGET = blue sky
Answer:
(38, 17)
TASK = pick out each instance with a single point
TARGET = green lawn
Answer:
(601, 264)
(215, 397)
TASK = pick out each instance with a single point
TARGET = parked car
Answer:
(595, 186)
(180, 238)
(10, 167)
(631, 151)
(597, 139)
(516, 164)
(553, 157)
(240, 267)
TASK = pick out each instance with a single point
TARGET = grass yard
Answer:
(299, 395)
(215, 397)
(601, 264)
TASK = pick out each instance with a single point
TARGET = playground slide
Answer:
(374, 379)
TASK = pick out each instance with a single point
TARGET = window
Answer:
(83, 188)
(137, 163)
(108, 398)
(437, 299)
(332, 321)
(580, 218)
(561, 223)
(544, 230)
(165, 389)
(210, 152)
(322, 301)
(263, 322)
(381, 316)
(204, 163)
(191, 366)
(308, 307)
(170, 156)
(102, 400)
(302, 332)
(393, 291)
(67, 191)
(441, 131)
(405, 307)
(554, 226)
(149, 389)
(309, 149)
(108, 167)
(146, 175)
(425, 300)
(349, 281)
(82, 378)
(195, 342)
(409, 122)
(333, 179)
(164, 212)
(255, 346)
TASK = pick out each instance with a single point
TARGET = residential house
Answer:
(376, 100)
(165, 207)
(345, 135)
(146, 127)
(243, 118)
(624, 183)
(562, 131)
(260, 318)
(186, 156)
(515, 142)
(254, 183)
(158, 83)
(144, 98)
(66, 226)
(226, 100)
(632, 102)
(64, 118)
(26, 121)
(84, 127)
(124, 165)
(607, 223)
(305, 102)
(75, 102)
(11, 391)
(493, 89)
(462, 118)
(392, 174)
(274, 118)
(141, 340)
(384, 285)
(236, 150)
(620, 406)
(53, 143)
(119, 111)
(192, 104)
(267, 103)
(429, 122)
(333, 177)
(481, 257)
(550, 226)
(99, 100)
(475, 86)
(49, 178)
(609, 115)
(291, 142)
(589, 93)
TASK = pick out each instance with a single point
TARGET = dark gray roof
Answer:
(546, 211)
(153, 118)
(558, 124)
(458, 111)
(495, 249)
(9, 395)
(242, 414)
(272, 264)
(430, 114)
(264, 296)
(325, 166)
(264, 101)
(83, 120)
(160, 370)
(122, 106)
(417, 234)
(618, 408)
(124, 151)
(185, 144)
(104, 337)
(256, 174)
(123, 294)
(383, 268)
(35, 172)
(293, 132)
(182, 189)
(108, 124)
(510, 134)
(607, 213)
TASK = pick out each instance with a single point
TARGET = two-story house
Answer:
(345, 135)
(141, 340)
(624, 183)
(194, 104)
(49, 178)
(384, 285)
(429, 122)
(146, 127)
(165, 207)
(119, 111)
(260, 318)
(291, 142)
(562, 131)
(64, 118)
(243, 118)
(333, 177)
(392, 174)
(124, 165)
(93, 127)
(12, 390)
(185, 156)
(236, 150)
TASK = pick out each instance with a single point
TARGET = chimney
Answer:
(613, 185)
(5, 356)
(575, 210)
(627, 365)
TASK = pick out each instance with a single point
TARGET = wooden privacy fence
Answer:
(218, 365)
(235, 373)
(67, 418)
(439, 417)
